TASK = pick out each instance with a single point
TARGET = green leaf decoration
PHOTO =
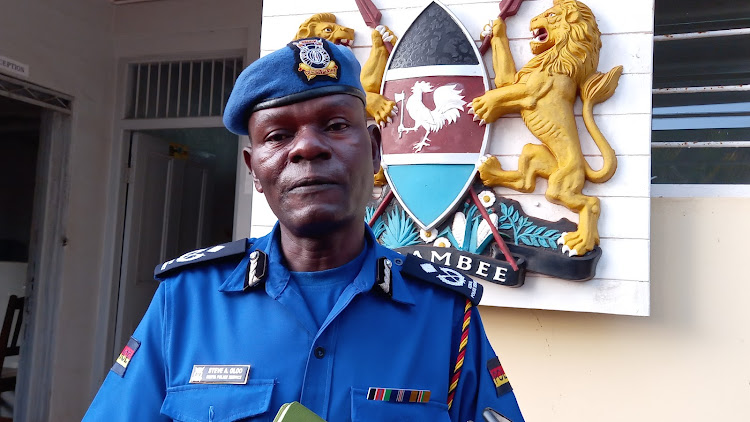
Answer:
(399, 230)
(524, 231)
(539, 236)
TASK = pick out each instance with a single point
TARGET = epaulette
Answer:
(201, 255)
(443, 276)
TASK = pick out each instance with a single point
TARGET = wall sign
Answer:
(12, 67)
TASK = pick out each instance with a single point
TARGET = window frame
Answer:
(706, 189)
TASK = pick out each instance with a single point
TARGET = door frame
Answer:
(45, 266)
(46, 244)
(104, 347)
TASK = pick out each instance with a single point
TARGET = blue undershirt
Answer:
(321, 289)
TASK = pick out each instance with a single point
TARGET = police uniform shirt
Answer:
(373, 348)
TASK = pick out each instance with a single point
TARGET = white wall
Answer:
(688, 361)
(12, 278)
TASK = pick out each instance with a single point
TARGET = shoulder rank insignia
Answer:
(383, 277)
(256, 269)
(201, 255)
(443, 276)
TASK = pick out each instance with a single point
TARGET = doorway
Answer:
(20, 125)
(180, 197)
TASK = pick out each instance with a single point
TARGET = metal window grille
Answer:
(701, 96)
(189, 88)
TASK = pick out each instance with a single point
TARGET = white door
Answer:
(165, 216)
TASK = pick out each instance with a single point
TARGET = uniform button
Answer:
(320, 352)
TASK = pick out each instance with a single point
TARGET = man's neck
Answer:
(308, 254)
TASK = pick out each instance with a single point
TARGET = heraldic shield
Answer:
(431, 149)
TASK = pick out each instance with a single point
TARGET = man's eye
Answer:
(337, 126)
(277, 137)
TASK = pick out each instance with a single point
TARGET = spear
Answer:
(372, 17)
(508, 8)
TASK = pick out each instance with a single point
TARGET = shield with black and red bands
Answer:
(430, 183)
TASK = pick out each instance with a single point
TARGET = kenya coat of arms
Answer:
(435, 108)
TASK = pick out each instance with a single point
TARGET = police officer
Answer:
(316, 311)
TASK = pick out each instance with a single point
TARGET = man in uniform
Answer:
(316, 311)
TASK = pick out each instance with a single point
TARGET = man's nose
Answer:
(309, 144)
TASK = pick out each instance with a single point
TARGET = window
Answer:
(701, 99)
(192, 88)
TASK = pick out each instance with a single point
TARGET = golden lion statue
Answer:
(324, 25)
(566, 47)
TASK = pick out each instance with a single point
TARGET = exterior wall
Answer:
(685, 362)
(67, 46)
(176, 30)
(74, 47)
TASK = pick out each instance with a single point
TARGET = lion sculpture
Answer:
(566, 46)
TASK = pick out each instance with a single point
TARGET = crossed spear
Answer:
(372, 16)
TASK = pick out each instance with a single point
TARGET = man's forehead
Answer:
(320, 106)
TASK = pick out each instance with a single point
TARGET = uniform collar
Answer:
(277, 275)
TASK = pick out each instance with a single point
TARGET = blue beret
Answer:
(304, 69)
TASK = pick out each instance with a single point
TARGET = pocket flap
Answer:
(217, 403)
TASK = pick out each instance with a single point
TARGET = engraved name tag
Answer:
(220, 374)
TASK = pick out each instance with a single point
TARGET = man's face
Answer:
(314, 161)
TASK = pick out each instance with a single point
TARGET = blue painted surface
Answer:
(427, 190)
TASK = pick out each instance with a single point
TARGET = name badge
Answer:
(220, 374)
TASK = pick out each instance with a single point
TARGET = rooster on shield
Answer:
(448, 106)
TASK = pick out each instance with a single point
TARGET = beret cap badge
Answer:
(314, 59)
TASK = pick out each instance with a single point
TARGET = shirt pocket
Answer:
(218, 403)
(364, 410)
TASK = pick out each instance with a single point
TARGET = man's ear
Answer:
(375, 142)
(247, 154)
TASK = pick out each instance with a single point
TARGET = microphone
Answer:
(491, 415)
(296, 412)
